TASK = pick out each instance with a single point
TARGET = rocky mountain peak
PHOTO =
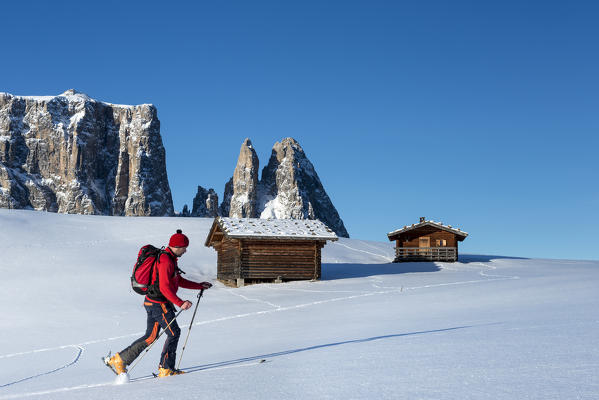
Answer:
(289, 188)
(245, 183)
(74, 95)
(288, 146)
(205, 204)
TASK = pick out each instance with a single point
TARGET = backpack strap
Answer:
(154, 286)
(156, 260)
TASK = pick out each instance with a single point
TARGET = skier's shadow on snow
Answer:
(266, 357)
(345, 271)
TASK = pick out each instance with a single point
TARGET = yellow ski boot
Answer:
(116, 364)
(164, 372)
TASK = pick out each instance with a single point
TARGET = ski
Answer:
(155, 375)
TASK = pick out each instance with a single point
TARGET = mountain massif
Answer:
(288, 189)
(72, 154)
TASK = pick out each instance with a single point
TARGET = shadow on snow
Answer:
(331, 271)
(344, 271)
(317, 347)
(470, 258)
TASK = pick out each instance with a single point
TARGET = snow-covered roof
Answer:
(257, 228)
(439, 225)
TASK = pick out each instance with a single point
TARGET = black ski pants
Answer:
(159, 316)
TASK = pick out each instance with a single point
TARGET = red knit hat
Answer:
(178, 240)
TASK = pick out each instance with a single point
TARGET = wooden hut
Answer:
(266, 250)
(427, 241)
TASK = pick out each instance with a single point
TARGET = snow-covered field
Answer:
(485, 328)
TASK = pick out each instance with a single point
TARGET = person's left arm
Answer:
(187, 284)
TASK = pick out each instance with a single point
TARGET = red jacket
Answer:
(170, 279)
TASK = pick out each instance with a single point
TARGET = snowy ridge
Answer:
(73, 96)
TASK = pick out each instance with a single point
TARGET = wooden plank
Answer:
(267, 275)
(277, 268)
(280, 253)
(275, 254)
(278, 258)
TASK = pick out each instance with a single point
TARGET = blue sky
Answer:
(482, 115)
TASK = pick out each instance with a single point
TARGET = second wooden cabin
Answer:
(265, 250)
(427, 241)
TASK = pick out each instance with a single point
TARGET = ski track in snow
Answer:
(271, 287)
(480, 272)
(363, 251)
(111, 383)
(276, 308)
(52, 391)
(374, 247)
(80, 348)
(257, 300)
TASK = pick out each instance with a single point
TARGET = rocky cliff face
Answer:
(205, 204)
(289, 188)
(73, 154)
(225, 206)
(245, 183)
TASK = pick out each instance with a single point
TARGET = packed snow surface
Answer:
(485, 328)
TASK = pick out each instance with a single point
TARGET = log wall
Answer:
(289, 260)
(228, 260)
(267, 260)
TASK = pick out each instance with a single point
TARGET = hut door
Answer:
(424, 242)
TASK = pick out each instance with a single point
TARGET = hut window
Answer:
(441, 243)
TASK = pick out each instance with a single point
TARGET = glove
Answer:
(206, 285)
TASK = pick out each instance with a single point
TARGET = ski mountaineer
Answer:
(161, 311)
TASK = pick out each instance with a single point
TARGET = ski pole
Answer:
(152, 344)
(190, 325)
